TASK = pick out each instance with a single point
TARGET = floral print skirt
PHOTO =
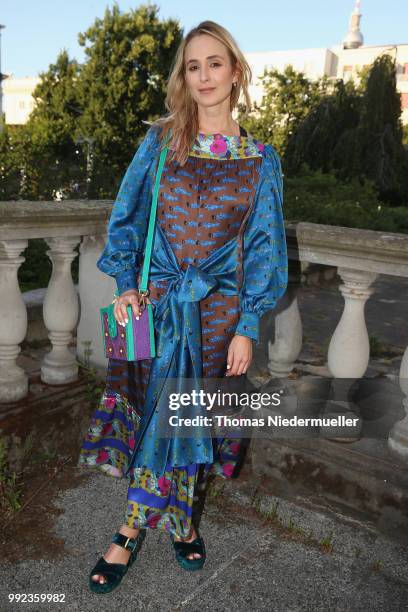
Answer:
(154, 501)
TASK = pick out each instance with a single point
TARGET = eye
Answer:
(212, 64)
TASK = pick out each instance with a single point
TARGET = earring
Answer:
(235, 84)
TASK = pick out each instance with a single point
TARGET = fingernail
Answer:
(126, 320)
(137, 317)
(228, 367)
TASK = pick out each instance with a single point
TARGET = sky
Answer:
(36, 31)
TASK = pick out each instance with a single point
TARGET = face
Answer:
(208, 70)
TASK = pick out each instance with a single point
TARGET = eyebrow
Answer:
(209, 57)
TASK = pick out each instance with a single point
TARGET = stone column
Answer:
(287, 345)
(61, 309)
(13, 322)
(398, 439)
(96, 290)
(349, 351)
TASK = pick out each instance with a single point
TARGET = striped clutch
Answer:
(132, 342)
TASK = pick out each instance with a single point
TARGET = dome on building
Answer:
(354, 37)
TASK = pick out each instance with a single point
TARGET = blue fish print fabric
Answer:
(219, 263)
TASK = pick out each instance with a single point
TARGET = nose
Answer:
(204, 73)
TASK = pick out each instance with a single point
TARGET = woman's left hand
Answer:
(239, 355)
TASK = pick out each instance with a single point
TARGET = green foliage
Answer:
(123, 82)
(87, 121)
(363, 74)
(318, 140)
(49, 160)
(356, 131)
(9, 164)
(405, 135)
(326, 543)
(36, 270)
(287, 99)
(380, 153)
(319, 197)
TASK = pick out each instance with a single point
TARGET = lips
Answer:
(207, 90)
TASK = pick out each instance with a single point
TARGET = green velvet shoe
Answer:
(183, 549)
(114, 572)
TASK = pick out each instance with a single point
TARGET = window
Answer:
(347, 71)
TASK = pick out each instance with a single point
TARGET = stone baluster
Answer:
(287, 344)
(60, 311)
(398, 438)
(349, 350)
(13, 322)
(96, 290)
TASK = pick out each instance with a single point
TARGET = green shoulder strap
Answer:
(150, 231)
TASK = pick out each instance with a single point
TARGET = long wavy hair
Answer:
(182, 116)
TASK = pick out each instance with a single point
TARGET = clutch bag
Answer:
(132, 342)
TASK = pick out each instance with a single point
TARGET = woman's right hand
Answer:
(131, 297)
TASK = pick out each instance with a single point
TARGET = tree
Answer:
(355, 131)
(49, 159)
(123, 82)
(288, 97)
(380, 153)
(9, 168)
(88, 117)
(318, 139)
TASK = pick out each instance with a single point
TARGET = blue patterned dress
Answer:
(227, 200)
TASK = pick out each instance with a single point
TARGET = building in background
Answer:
(338, 62)
(18, 101)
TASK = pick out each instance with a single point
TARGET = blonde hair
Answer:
(182, 117)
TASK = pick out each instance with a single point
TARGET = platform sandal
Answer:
(183, 549)
(114, 572)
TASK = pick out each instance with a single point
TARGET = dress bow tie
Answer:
(178, 350)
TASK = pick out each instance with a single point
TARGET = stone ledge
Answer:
(360, 477)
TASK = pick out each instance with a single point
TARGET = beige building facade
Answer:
(336, 63)
(18, 101)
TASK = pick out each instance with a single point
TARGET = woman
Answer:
(219, 210)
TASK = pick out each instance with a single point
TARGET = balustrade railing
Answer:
(359, 256)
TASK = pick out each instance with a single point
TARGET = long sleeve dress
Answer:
(219, 262)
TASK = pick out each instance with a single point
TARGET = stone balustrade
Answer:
(359, 256)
